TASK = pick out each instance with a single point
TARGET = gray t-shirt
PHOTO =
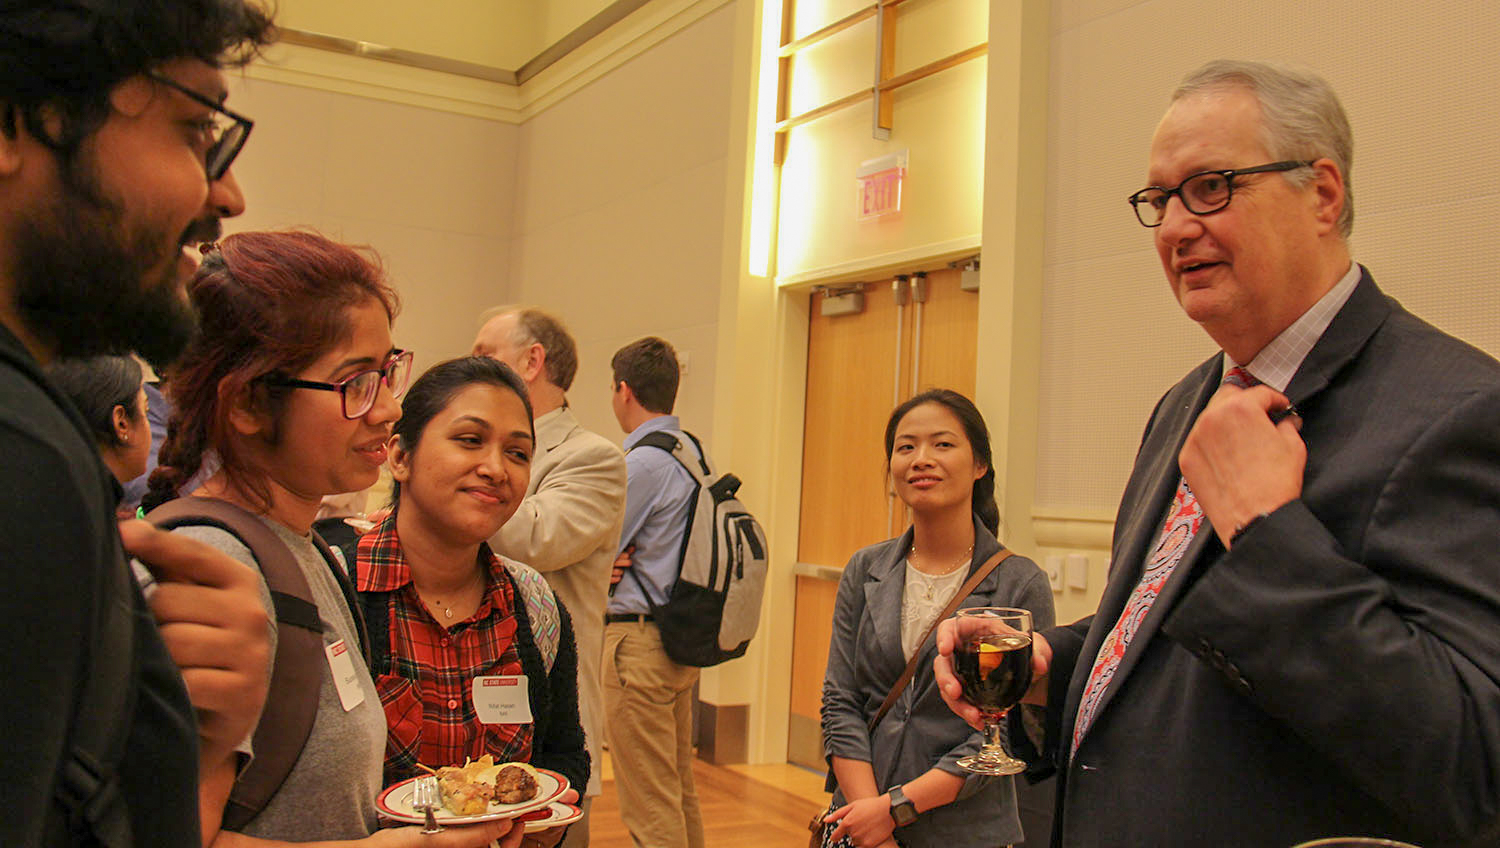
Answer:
(330, 793)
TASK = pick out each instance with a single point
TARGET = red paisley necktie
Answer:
(1182, 524)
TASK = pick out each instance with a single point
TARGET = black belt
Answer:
(617, 617)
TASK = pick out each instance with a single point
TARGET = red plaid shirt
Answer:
(426, 690)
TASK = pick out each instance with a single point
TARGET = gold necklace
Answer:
(929, 581)
(967, 557)
(448, 610)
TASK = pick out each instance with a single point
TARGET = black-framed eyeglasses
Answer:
(1203, 193)
(227, 133)
(358, 391)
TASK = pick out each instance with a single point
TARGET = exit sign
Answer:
(878, 183)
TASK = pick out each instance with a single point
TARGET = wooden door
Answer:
(858, 368)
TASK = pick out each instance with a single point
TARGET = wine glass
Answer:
(992, 656)
(1353, 842)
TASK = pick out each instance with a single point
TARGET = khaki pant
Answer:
(648, 719)
(578, 832)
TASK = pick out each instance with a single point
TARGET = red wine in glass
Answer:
(992, 658)
(995, 670)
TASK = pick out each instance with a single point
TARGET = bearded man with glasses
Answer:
(114, 165)
(1298, 634)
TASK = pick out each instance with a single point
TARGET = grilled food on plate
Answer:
(470, 789)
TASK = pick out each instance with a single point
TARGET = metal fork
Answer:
(425, 797)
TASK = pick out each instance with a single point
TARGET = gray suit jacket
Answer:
(1338, 671)
(920, 732)
(568, 528)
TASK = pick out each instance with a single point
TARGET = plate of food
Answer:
(555, 814)
(478, 791)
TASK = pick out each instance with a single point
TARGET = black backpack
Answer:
(296, 676)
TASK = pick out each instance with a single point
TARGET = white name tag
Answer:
(345, 678)
(502, 699)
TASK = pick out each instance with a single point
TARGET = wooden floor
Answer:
(743, 807)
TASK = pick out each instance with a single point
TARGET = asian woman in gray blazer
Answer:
(901, 784)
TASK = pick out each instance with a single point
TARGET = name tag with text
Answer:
(502, 699)
(345, 678)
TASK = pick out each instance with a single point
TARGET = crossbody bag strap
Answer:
(964, 591)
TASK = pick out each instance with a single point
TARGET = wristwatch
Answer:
(903, 811)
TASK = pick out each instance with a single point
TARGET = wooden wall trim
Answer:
(1059, 529)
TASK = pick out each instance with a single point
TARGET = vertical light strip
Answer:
(764, 187)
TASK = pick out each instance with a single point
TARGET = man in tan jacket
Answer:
(569, 524)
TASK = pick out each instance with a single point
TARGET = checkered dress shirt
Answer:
(427, 695)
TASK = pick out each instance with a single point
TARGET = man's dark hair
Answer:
(649, 367)
(59, 59)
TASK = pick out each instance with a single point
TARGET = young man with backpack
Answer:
(114, 163)
(648, 698)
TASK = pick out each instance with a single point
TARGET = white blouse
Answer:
(924, 598)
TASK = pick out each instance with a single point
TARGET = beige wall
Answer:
(432, 191)
(620, 214)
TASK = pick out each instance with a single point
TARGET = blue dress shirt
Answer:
(658, 494)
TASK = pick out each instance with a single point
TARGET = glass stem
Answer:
(994, 734)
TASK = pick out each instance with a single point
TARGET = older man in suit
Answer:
(569, 524)
(1298, 638)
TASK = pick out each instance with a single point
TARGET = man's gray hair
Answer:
(1301, 117)
(534, 326)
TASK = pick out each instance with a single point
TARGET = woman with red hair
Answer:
(289, 393)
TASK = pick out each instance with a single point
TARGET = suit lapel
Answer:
(1364, 312)
(552, 429)
(1137, 532)
(1346, 335)
(884, 587)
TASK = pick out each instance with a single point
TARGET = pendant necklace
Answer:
(448, 610)
(929, 581)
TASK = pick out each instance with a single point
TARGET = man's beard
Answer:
(88, 283)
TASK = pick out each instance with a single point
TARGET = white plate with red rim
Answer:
(557, 814)
(395, 802)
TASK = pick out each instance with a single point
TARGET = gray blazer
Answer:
(920, 732)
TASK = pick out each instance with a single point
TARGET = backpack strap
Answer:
(88, 785)
(541, 609)
(699, 470)
(343, 574)
(297, 675)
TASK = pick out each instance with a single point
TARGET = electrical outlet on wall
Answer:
(1078, 571)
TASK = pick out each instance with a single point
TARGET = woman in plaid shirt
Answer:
(452, 610)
